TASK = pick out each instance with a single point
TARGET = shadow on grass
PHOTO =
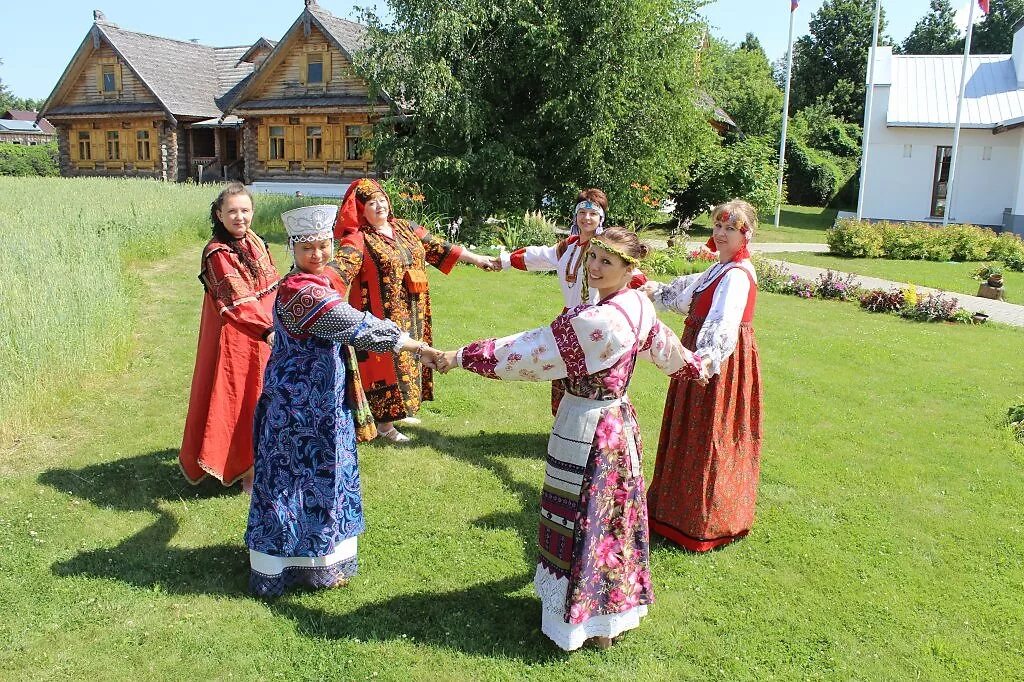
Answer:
(146, 559)
(486, 619)
(491, 451)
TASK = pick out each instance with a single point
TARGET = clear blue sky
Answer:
(37, 39)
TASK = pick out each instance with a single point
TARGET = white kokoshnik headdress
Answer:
(590, 206)
(310, 223)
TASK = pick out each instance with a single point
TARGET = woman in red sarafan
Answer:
(381, 263)
(705, 480)
(235, 334)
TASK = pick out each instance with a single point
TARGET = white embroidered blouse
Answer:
(721, 328)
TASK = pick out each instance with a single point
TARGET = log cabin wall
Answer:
(307, 146)
(112, 147)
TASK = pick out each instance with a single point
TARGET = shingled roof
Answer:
(187, 78)
(346, 35)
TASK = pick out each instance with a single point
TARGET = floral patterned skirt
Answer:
(709, 455)
(593, 573)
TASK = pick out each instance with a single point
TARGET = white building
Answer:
(913, 117)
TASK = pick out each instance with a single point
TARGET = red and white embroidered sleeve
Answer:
(234, 295)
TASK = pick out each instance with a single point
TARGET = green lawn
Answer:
(952, 277)
(797, 224)
(887, 545)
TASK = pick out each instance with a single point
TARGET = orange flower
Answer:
(635, 185)
(645, 188)
(418, 197)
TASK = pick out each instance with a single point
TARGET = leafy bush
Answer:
(834, 286)
(747, 169)
(1015, 420)
(1009, 248)
(881, 301)
(855, 239)
(922, 241)
(772, 276)
(530, 229)
(28, 160)
(932, 308)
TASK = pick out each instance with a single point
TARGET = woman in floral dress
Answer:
(566, 259)
(592, 574)
(381, 264)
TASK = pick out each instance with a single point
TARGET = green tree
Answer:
(746, 169)
(935, 33)
(751, 43)
(830, 63)
(994, 35)
(515, 103)
(740, 81)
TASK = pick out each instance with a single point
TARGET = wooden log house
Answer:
(132, 104)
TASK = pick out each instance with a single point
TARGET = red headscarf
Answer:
(743, 253)
(350, 216)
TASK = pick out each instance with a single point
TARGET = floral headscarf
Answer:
(350, 215)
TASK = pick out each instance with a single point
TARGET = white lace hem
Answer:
(570, 637)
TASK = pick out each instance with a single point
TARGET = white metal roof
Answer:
(924, 90)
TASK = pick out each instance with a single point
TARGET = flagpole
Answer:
(959, 119)
(785, 115)
(865, 141)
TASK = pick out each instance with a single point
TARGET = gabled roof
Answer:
(346, 36)
(260, 44)
(185, 77)
(25, 115)
(923, 90)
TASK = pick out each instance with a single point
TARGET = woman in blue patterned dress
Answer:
(306, 511)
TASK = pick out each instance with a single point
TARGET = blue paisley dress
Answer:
(307, 509)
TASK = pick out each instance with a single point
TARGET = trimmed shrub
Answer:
(1009, 248)
(855, 239)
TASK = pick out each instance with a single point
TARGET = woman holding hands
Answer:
(381, 263)
(592, 573)
(709, 455)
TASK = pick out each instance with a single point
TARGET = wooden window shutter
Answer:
(73, 144)
(99, 78)
(290, 148)
(97, 139)
(128, 140)
(117, 76)
(304, 67)
(263, 143)
(327, 66)
(367, 152)
(328, 143)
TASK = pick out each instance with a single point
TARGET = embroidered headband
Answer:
(589, 206)
(617, 251)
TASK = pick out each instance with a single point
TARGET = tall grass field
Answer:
(67, 295)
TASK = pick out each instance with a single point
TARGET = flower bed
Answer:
(907, 303)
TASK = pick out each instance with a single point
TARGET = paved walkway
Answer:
(997, 311)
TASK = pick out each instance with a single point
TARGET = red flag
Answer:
(796, 3)
(983, 4)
